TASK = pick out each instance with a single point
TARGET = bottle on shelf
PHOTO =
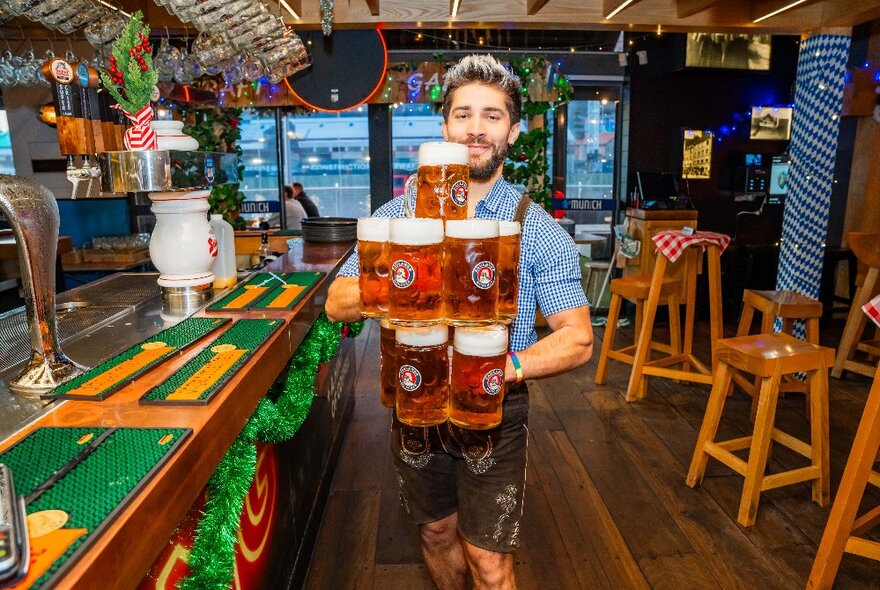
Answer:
(263, 252)
(225, 273)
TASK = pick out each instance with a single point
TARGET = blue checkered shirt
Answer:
(549, 270)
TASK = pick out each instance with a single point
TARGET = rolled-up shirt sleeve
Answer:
(557, 268)
(393, 208)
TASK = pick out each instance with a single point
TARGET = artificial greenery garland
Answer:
(212, 558)
(131, 77)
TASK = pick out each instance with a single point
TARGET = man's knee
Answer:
(493, 569)
(441, 533)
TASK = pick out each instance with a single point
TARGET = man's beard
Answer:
(484, 171)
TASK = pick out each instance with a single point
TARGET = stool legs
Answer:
(637, 385)
(818, 400)
(759, 450)
(855, 321)
(608, 339)
(709, 428)
(849, 495)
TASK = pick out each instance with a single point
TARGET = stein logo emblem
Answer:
(483, 274)
(493, 381)
(410, 378)
(402, 274)
(459, 192)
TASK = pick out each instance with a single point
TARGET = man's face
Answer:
(478, 117)
(297, 191)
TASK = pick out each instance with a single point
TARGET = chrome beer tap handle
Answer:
(33, 214)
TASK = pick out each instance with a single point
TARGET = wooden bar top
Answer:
(122, 554)
(661, 213)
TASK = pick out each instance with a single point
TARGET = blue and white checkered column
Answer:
(817, 104)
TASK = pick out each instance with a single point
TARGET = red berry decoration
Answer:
(522, 157)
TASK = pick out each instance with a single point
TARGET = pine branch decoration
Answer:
(131, 77)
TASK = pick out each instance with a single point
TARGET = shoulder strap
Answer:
(521, 209)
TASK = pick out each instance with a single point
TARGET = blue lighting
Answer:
(877, 76)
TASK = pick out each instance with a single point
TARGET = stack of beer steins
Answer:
(433, 274)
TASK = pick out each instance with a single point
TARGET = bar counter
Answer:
(122, 553)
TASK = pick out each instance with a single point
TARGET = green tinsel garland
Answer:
(213, 553)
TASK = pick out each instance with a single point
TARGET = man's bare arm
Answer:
(343, 298)
(570, 345)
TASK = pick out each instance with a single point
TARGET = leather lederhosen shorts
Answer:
(480, 474)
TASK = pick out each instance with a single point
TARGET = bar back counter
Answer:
(102, 319)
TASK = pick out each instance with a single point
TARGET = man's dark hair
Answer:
(483, 69)
(297, 185)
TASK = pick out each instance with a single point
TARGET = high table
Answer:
(125, 310)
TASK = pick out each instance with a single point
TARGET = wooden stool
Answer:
(642, 365)
(788, 306)
(636, 289)
(866, 247)
(769, 356)
(843, 531)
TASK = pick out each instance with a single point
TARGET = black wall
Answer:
(666, 97)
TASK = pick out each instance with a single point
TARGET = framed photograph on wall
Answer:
(696, 161)
(728, 51)
(773, 123)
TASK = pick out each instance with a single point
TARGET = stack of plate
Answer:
(329, 229)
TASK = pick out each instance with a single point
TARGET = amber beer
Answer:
(508, 269)
(422, 375)
(479, 356)
(415, 280)
(442, 185)
(470, 288)
(372, 233)
(387, 364)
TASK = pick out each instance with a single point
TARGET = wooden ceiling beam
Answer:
(611, 8)
(685, 8)
(535, 5)
(847, 12)
(373, 5)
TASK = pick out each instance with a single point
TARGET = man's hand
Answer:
(343, 299)
(569, 346)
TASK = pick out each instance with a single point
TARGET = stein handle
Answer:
(409, 191)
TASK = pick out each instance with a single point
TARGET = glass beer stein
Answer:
(422, 375)
(470, 288)
(508, 269)
(415, 272)
(387, 364)
(372, 234)
(442, 183)
(479, 356)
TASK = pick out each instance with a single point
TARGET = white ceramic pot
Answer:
(183, 246)
(170, 136)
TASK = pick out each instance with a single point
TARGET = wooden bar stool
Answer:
(866, 247)
(636, 288)
(843, 533)
(768, 356)
(788, 306)
(672, 245)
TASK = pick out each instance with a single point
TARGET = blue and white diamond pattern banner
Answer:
(817, 104)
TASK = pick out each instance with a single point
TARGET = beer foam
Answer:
(509, 228)
(472, 229)
(373, 229)
(416, 232)
(437, 153)
(490, 341)
(429, 336)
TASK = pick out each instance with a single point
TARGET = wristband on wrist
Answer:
(517, 367)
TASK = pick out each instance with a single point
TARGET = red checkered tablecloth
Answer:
(872, 308)
(673, 243)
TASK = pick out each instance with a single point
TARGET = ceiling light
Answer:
(288, 8)
(453, 10)
(620, 7)
(778, 10)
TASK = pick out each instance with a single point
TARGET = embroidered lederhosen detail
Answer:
(414, 446)
(507, 501)
(476, 448)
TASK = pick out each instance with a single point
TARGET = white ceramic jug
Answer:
(183, 245)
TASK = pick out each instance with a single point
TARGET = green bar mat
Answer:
(197, 381)
(113, 374)
(243, 296)
(99, 486)
(287, 295)
(44, 452)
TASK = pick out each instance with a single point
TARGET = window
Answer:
(329, 154)
(259, 147)
(411, 126)
(590, 157)
(7, 166)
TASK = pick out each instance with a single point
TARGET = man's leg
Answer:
(443, 553)
(491, 570)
